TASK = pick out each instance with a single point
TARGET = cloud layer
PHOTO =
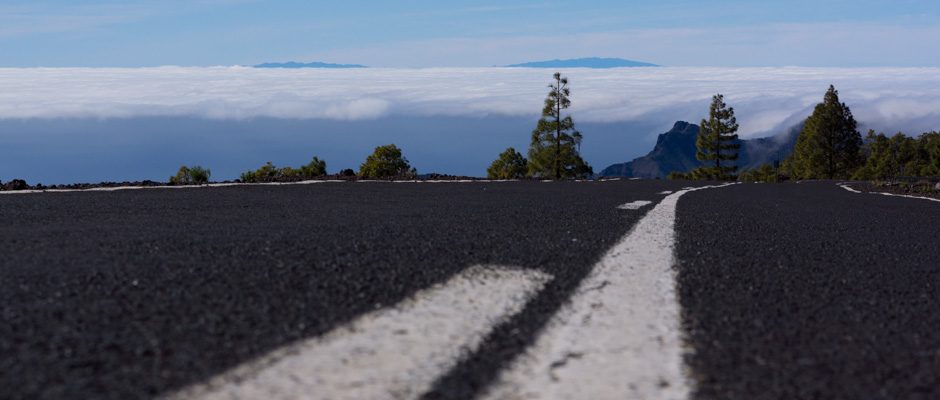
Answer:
(765, 99)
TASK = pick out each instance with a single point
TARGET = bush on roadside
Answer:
(510, 165)
(316, 167)
(386, 161)
(194, 174)
(182, 176)
(199, 174)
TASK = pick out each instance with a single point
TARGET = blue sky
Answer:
(176, 95)
(733, 33)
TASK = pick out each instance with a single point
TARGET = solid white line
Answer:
(846, 187)
(913, 197)
(620, 335)
(116, 188)
(665, 192)
(636, 205)
(393, 353)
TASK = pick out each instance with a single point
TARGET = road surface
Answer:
(620, 289)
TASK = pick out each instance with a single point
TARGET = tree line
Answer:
(385, 161)
(828, 147)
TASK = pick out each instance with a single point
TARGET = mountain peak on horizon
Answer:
(591, 62)
(675, 151)
(292, 64)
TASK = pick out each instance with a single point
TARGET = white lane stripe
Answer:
(116, 188)
(620, 335)
(846, 187)
(913, 197)
(307, 182)
(393, 353)
(666, 192)
(636, 205)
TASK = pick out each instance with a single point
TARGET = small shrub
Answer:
(386, 161)
(678, 175)
(316, 167)
(182, 176)
(192, 174)
(510, 165)
(199, 174)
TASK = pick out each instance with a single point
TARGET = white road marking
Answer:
(392, 353)
(913, 197)
(306, 182)
(636, 205)
(665, 192)
(846, 187)
(116, 188)
(619, 337)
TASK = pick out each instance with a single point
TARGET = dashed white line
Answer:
(636, 205)
(395, 353)
(665, 192)
(619, 337)
(846, 187)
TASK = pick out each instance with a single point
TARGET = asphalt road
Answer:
(135, 293)
(809, 291)
(787, 291)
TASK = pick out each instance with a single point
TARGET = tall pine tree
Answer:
(828, 145)
(556, 145)
(716, 143)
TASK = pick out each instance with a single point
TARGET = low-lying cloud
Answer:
(765, 99)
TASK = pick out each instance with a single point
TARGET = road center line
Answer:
(392, 353)
(636, 205)
(619, 337)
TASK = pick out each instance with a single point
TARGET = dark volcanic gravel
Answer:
(808, 291)
(133, 293)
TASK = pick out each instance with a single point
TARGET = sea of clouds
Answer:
(436, 111)
(906, 99)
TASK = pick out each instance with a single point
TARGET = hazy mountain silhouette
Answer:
(592, 62)
(292, 64)
(675, 151)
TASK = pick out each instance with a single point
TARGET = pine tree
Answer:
(828, 145)
(716, 143)
(556, 145)
(510, 164)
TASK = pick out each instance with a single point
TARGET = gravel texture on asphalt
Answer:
(135, 293)
(809, 291)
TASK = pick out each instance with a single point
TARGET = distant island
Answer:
(592, 62)
(292, 64)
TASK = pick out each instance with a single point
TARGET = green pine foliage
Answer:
(386, 161)
(828, 146)
(269, 171)
(899, 155)
(716, 143)
(556, 145)
(510, 165)
(679, 175)
(766, 173)
(199, 174)
(194, 174)
(182, 176)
